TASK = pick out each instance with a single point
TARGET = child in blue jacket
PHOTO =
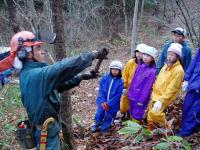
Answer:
(108, 101)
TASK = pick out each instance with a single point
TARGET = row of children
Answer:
(147, 88)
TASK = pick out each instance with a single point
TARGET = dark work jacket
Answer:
(39, 85)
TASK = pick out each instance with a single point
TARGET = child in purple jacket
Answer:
(141, 85)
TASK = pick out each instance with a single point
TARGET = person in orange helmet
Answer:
(40, 83)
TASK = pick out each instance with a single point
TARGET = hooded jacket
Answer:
(142, 83)
(140, 89)
(192, 75)
(128, 72)
(168, 83)
(39, 84)
(110, 91)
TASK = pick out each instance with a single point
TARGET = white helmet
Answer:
(176, 48)
(150, 51)
(116, 65)
(141, 47)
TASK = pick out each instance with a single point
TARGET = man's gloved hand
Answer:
(184, 86)
(88, 76)
(157, 106)
(105, 106)
(100, 54)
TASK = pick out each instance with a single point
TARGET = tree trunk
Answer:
(48, 15)
(134, 29)
(141, 16)
(12, 15)
(125, 21)
(34, 18)
(106, 23)
(66, 108)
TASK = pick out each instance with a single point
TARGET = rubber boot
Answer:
(151, 126)
(128, 116)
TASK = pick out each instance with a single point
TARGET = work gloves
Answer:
(100, 54)
(105, 106)
(184, 86)
(88, 76)
(157, 106)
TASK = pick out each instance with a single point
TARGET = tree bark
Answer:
(34, 18)
(12, 15)
(48, 15)
(66, 108)
(141, 16)
(134, 29)
(125, 21)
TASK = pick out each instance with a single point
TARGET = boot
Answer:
(128, 116)
(151, 126)
(123, 118)
(95, 128)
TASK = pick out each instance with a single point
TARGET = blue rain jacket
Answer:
(110, 91)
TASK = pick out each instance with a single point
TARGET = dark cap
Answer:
(180, 31)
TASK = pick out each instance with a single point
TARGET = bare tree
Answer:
(12, 15)
(134, 28)
(190, 22)
(48, 15)
(141, 15)
(60, 51)
(34, 19)
(125, 20)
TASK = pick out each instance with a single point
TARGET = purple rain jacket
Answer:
(140, 89)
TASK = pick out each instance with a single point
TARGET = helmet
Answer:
(141, 47)
(176, 48)
(28, 39)
(116, 65)
(150, 51)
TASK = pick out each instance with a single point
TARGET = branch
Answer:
(191, 23)
(4, 18)
(182, 12)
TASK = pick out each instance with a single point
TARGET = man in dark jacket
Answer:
(179, 36)
(40, 83)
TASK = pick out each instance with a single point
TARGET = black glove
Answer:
(88, 76)
(100, 54)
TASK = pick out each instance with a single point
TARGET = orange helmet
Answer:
(28, 40)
